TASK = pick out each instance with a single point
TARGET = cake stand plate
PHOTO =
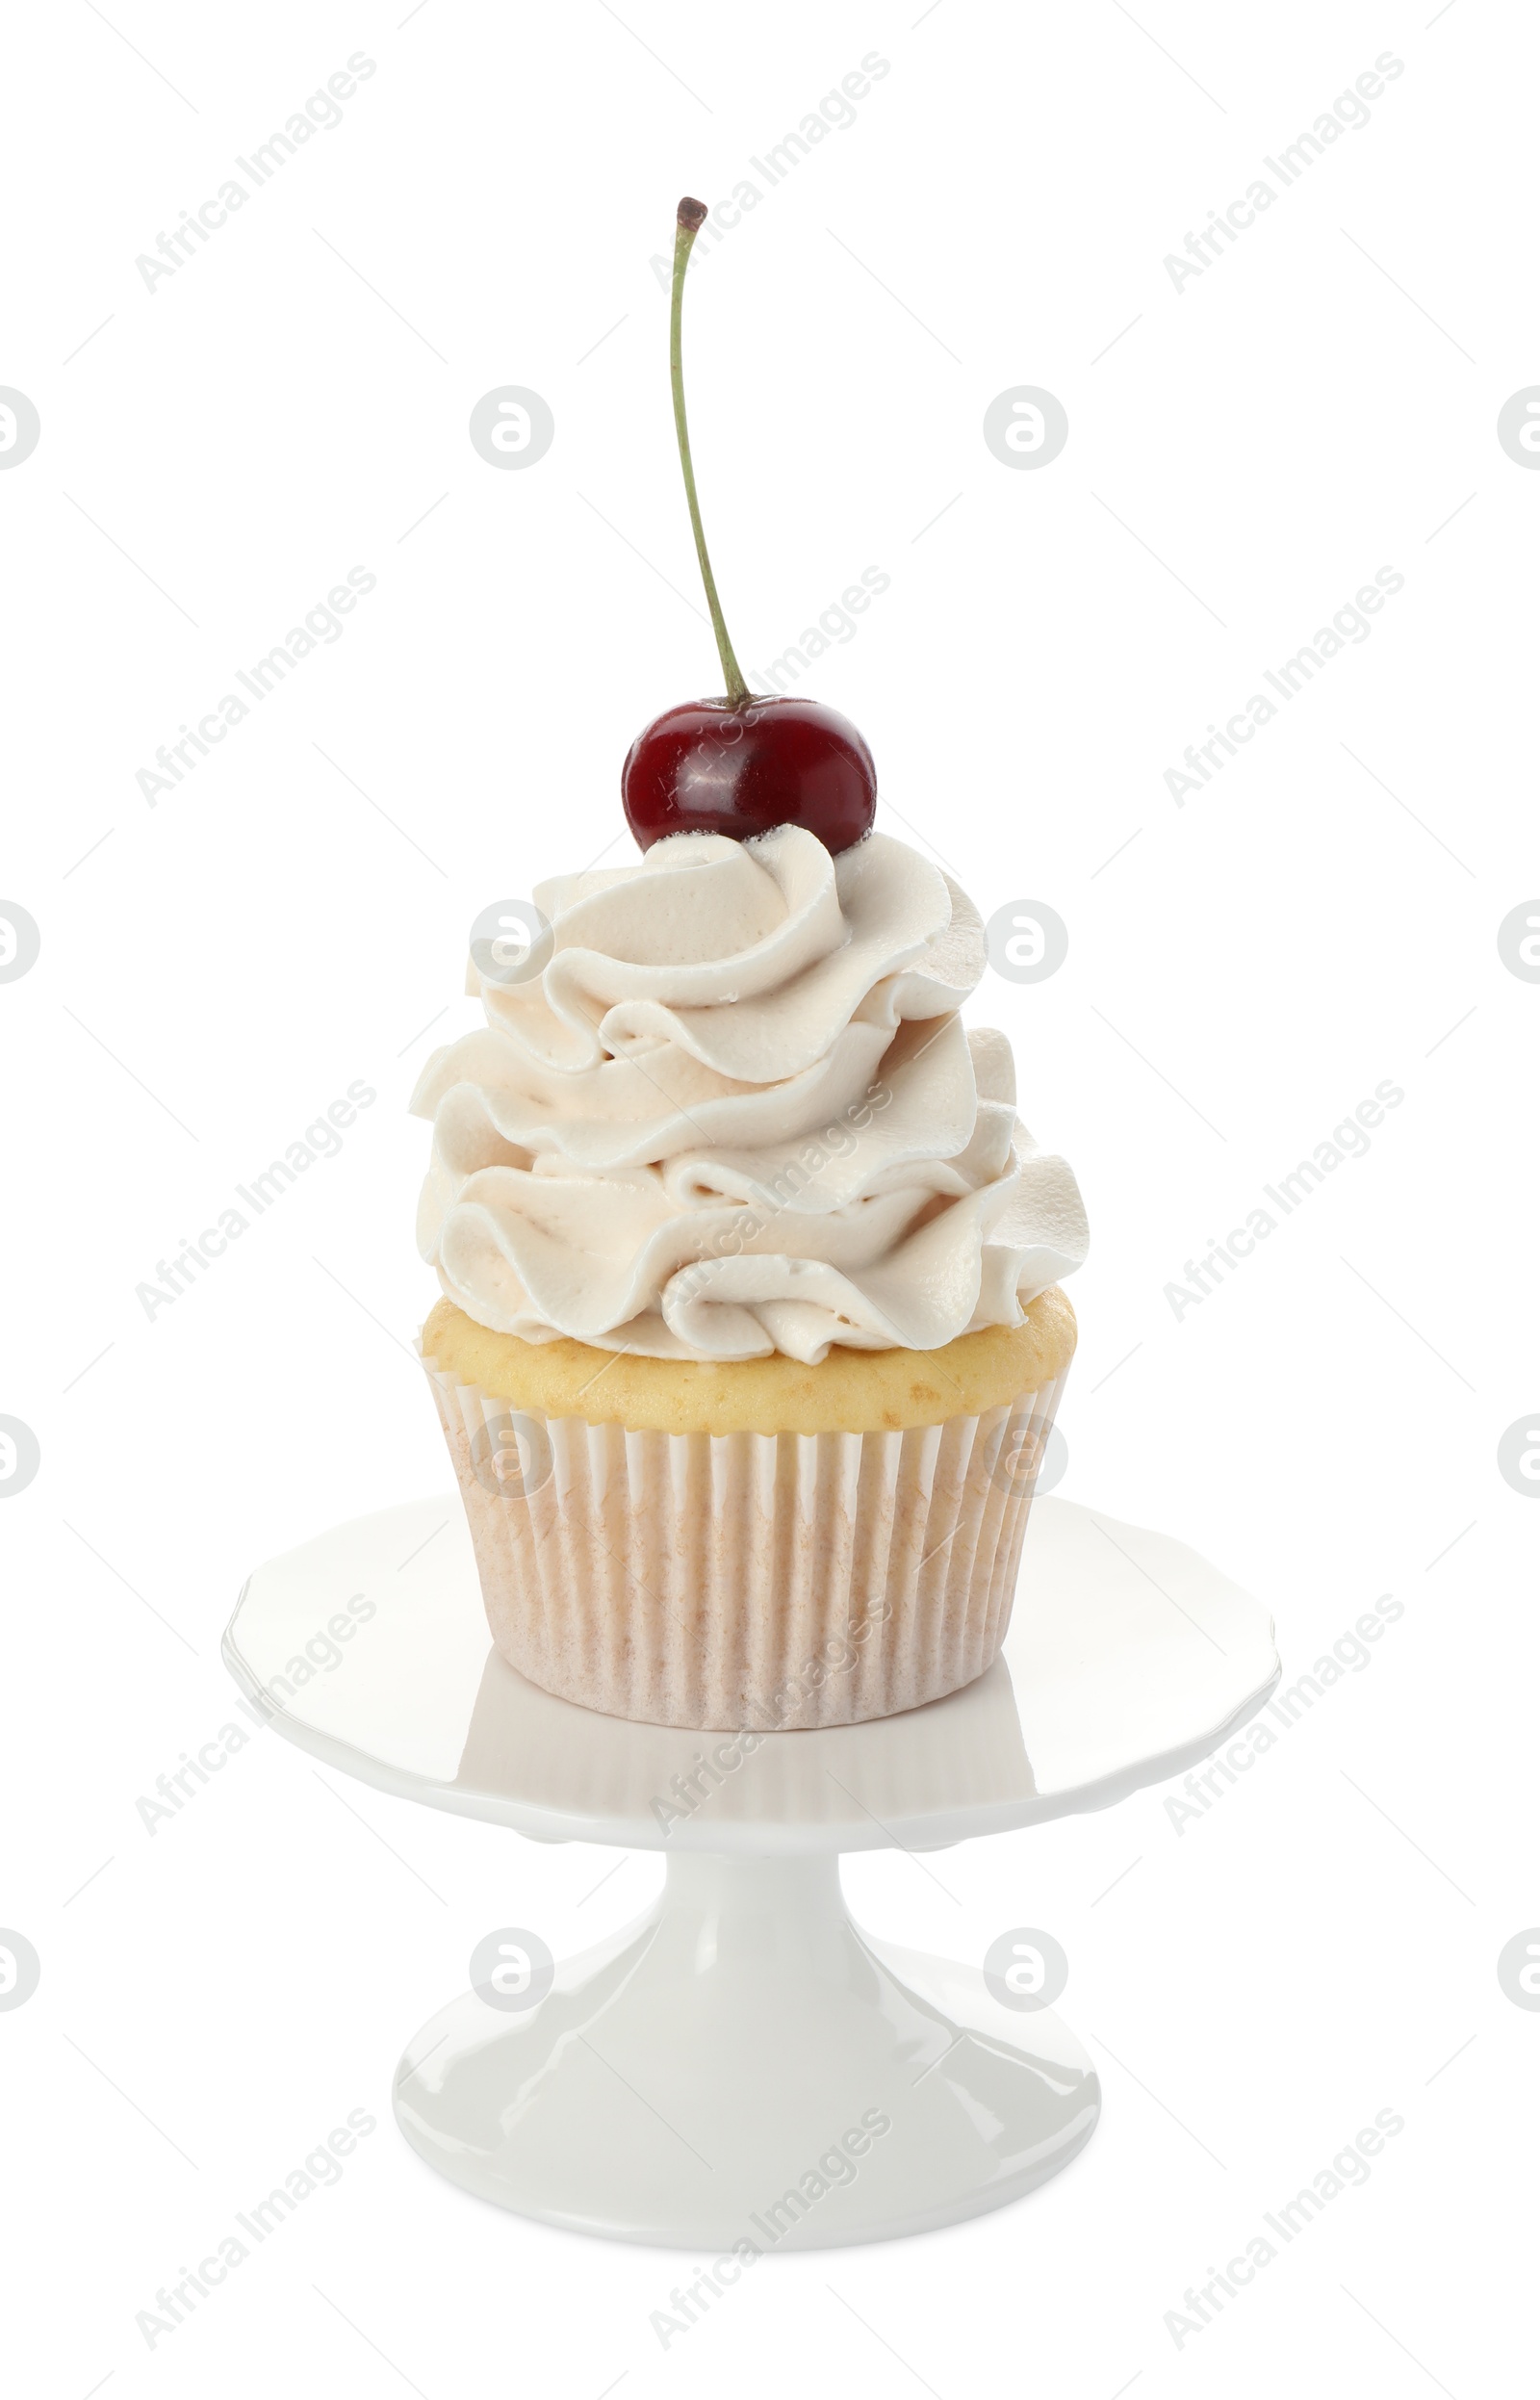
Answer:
(742, 2069)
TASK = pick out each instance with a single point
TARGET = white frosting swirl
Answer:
(737, 1112)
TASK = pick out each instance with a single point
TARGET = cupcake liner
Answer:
(775, 1582)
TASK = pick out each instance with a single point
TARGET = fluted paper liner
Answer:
(773, 1580)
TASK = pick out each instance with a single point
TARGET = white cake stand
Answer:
(742, 2064)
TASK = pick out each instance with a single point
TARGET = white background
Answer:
(1243, 454)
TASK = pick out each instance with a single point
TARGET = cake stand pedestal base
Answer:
(742, 2064)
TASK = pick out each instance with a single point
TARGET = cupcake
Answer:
(751, 1333)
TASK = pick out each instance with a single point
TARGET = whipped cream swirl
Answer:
(737, 1112)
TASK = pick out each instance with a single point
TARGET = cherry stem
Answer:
(691, 217)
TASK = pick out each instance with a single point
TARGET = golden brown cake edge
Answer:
(853, 1391)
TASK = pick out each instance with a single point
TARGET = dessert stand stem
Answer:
(742, 2064)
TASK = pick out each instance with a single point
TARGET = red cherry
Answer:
(743, 763)
(714, 766)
